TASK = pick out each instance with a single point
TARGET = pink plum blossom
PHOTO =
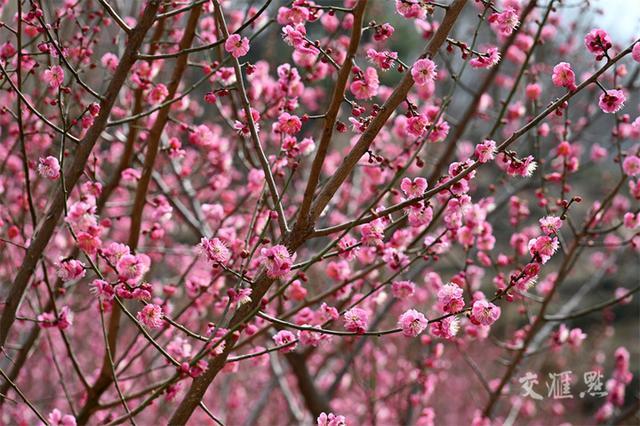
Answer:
(49, 167)
(367, 86)
(56, 418)
(484, 313)
(277, 261)
(611, 101)
(236, 45)
(215, 250)
(598, 42)
(563, 76)
(285, 337)
(54, 76)
(356, 320)
(151, 316)
(412, 323)
(423, 71)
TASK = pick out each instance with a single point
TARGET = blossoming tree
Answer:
(228, 212)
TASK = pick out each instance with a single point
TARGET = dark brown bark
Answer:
(297, 238)
(105, 378)
(47, 225)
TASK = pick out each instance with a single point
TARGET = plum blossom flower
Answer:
(109, 61)
(484, 313)
(241, 296)
(54, 76)
(413, 188)
(412, 323)
(403, 289)
(410, 9)
(65, 318)
(210, 98)
(296, 291)
(7, 50)
(533, 91)
(294, 35)
(89, 242)
(576, 337)
(49, 320)
(372, 232)
(521, 167)
(236, 45)
(631, 165)
(56, 418)
(289, 124)
(563, 76)
(384, 59)
(194, 370)
(383, 32)
(504, 22)
(420, 215)
(446, 328)
(635, 52)
(417, 124)
(131, 268)
(395, 258)
(611, 101)
(157, 94)
(293, 15)
(356, 320)
(543, 247)
(367, 86)
(277, 261)
(331, 419)
(46, 320)
(489, 58)
(94, 109)
(81, 216)
(151, 316)
(550, 224)
(423, 71)
(598, 42)
(71, 269)
(216, 250)
(114, 251)
(450, 298)
(49, 167)
(101, 288)
(310, 337)
(486, 151)
(285, 337)
(630, 220)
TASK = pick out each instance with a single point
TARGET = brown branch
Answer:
(153, 57)
(332, 114)
(115, 16)
(47, 225)
(315, 401)
(446, 156)
(562, 274)
(593, 308)
(255, 138)
(23, 396)
(23, 149)
(396, 98)
(107, 190)
(106, 376)
(568, 263)
(132, 136)
(501, 148)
